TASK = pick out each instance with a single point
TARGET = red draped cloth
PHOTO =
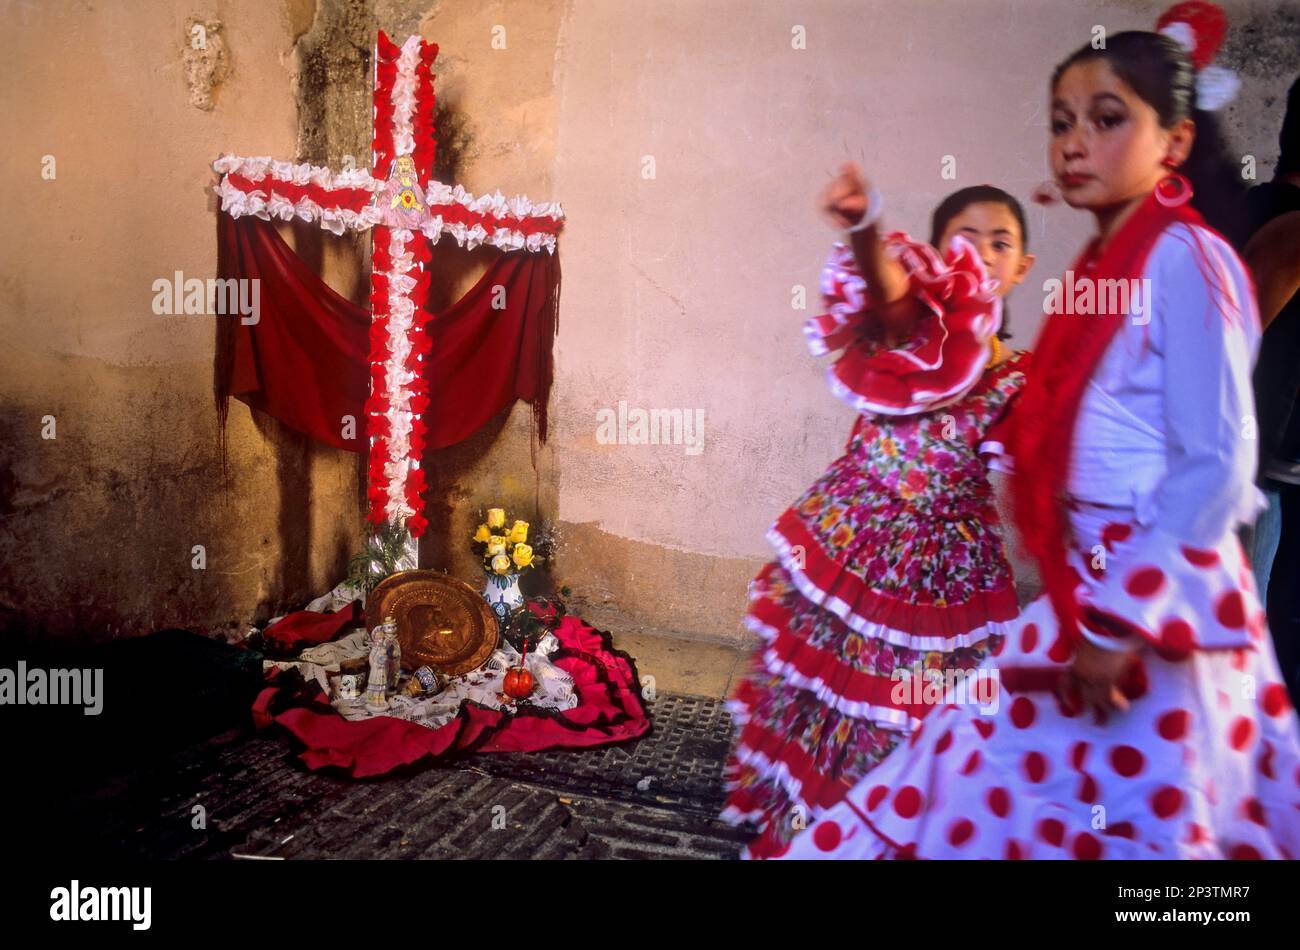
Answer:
(306, 360)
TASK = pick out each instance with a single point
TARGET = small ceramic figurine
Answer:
(351, 679)
(394, 652)
(349, 686)
(385, 664)
(425, 682)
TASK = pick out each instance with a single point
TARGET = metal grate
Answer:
(678, 764)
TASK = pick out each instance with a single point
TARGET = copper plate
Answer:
(442, 622)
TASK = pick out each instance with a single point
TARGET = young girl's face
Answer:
(1106, 145)
(994, 231)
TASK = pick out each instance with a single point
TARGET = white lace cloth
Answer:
(554, 689)
(319, 661)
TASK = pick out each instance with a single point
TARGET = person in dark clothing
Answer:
(1273, 254)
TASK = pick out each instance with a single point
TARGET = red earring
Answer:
(1048, 193)
(1174, 189)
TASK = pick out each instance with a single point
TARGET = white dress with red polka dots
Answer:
(1206, 761)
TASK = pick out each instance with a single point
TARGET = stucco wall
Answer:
(677, 287)
(100, 522)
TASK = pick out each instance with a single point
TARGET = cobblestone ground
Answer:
(657, 797)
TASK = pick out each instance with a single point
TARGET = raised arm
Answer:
(844, 203)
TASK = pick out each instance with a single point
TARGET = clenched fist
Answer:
(844, 201)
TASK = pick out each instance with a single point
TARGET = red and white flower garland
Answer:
(398, 341)
(341, 202)
(269, 189)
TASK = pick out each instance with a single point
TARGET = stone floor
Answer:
(691, 667)
(245, 796)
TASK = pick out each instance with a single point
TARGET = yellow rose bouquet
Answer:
(508, 545)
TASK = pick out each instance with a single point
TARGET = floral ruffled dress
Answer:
(891, 562)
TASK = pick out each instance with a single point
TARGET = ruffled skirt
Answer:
(1204, 764)
(821, 703)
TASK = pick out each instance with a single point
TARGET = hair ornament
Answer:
(1200, 28)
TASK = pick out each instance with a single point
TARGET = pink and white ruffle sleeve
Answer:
(946, 354)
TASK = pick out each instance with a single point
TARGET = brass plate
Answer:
(442, 622)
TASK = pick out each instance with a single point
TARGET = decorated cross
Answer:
(395, 199)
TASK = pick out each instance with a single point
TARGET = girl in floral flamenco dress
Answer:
(1141, 713)
(891, 563)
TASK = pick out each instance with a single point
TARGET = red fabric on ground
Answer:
(609, 710)
(304, 628)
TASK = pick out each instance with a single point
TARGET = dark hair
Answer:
(960, 200)
(1288, 162)
(1160, 71)
(963, 198)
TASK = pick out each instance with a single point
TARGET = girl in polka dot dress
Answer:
(1140, 714)
(892, 561)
